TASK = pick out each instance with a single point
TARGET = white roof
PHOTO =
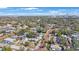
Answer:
(1, 34)
(26, 39)
(1, 44)
(15, 47)
(64, 35)
(9, 39)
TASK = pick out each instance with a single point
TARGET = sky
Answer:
(34, 11)
(39, 3)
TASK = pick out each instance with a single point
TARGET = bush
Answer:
(39, 30)
(31, 34)
(6, 48)
(26, 43)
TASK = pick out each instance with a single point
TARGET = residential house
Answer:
(9, 40)
(76, 36)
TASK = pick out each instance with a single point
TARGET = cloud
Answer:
(33, 9)
(30, 8)
(37, 11)
(24, 14)
(54, 12)
(3, 7)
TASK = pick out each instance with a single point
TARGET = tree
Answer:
(6, 48)
(40, 29)
(31, 34)
(21, 32)
(26, 44)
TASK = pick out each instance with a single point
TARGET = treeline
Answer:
(42, 20)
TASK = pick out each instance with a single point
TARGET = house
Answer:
(25, 26)
(51, 25)
(8, 28)
(33, 29)
(9, 25)
(14, 36)
(40, 36)
(75, 36)
(19, 27)
(55, 47)
(15, 48)
(29, 39)
(1, 46)
(8, 40)
(2, 36)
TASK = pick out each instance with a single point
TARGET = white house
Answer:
(76, 35)
(9, 40)
(14, 47)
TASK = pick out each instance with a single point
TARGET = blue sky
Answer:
(31, 11)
